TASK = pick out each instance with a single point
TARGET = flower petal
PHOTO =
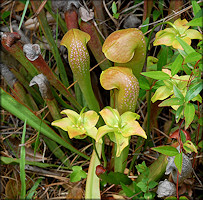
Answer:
(90, 119)
(193, 34)
(165, 38)
(121, 143)
(180, 25)
(74, 131)
(92, 132)
(62, 123)
(180, 22)
(103, 130)
(133, 128)
(177, 45)
(73, 116)
(110, 118)
(129, 116)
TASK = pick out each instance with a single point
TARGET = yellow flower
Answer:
(168, 36)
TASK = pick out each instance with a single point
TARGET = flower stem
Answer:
(92, 190)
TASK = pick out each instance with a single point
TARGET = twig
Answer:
(11, 28)
(115, 22)
(39, 9)
(89, 70)
(161, 132)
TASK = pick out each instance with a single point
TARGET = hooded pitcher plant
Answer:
(119, 128)
(126, 48)
(126, 85)
(75, 41)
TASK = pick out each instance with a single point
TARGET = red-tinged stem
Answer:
(148, 5)
(71, 18)
(95, 44)
(197, 136)
(99, 15)
(48, 34)
(177, 186)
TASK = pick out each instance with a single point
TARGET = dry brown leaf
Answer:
(12, 190)
(19, 6)
(75, 193)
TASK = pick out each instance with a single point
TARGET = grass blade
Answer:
(22, 112)
(23, 15)
(33, 189)
(22, 164)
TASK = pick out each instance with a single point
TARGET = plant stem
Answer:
(148, 117)
(92, 190)
(121, 161)
(139, 144)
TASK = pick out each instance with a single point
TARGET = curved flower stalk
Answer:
(75, 41)
(122, 79)
(180, 28)
(77, 125)
(126, 48)
(120, 128)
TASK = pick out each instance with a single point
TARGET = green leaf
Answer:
(187, 48)
(195, 6)
(148, 195)
(166, 150)
(170, 198)
(32, 191)
(178, 93)
(200, 121)
(200, 145)
(141, 167)
(179, 113)
(158, 75)
(5, 14)
(114, 8)
(144, 83)
(183, 198)
(22, 164)
(171, 102)
(7, 161)
(178, 160)
(142, 186)
(116, 16)
(127, 190)
(162, 58)
(192, 57)
(77, 174)
(152, 184)
(145, 28)
(161, 93)
(156, 14)
(182, 136)
(189, 145)
(193, 91)
(196, 22)
(115, 178)
(176, 65)
(189, 114)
